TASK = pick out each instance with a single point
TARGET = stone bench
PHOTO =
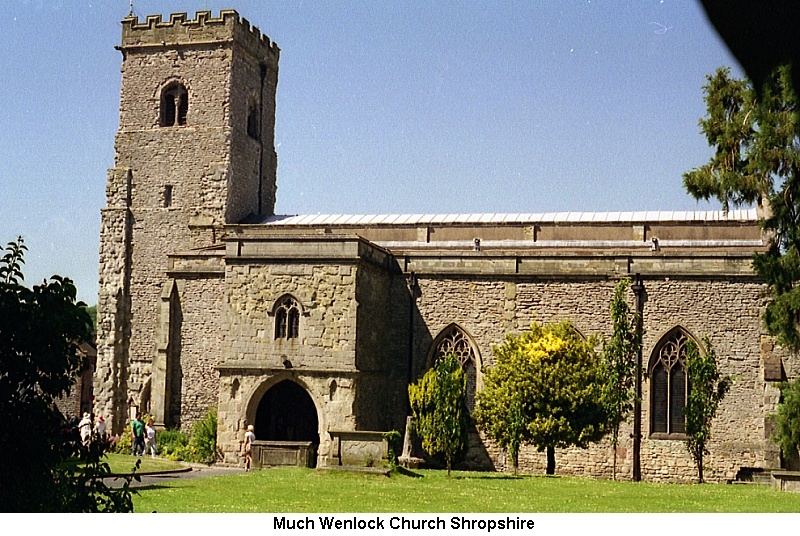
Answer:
(786, 480)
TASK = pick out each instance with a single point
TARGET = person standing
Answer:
(100, 427)
(137, 435)
(150, 438)
(85, 428)
(249, 437)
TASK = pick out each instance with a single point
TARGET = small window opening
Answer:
(252, 123)
(167, 196)
(174, 105)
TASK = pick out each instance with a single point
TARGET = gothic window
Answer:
(669, 384)
(453, 340)
(174, 105)
(287, 319)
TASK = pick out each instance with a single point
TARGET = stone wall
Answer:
(173, 187)
(727, 311)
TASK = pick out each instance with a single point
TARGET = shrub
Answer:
(204, 438)
(172, 444)
(123, 442)
(395, 445)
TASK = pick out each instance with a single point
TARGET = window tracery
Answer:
(287, 319)
(669, 384)
(453, 340)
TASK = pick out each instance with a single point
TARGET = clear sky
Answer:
(383, 107)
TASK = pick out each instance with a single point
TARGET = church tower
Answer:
(194, 151)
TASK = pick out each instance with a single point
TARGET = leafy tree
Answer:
(555, 379)
(619, 364)
(438, 405)
(45, 467)
(707, 388)
(93, 316)
(500, 410)
(787, 419)
(757, 158)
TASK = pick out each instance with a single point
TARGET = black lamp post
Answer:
(638, 291)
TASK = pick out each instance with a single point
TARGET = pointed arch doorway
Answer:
(286, 412)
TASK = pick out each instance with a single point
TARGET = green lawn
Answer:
(293, 490)
(123, 463)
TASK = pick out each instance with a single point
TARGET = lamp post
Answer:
(638, 291)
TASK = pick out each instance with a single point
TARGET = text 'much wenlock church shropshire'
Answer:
(311, 327)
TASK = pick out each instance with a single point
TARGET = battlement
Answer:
(202, 30)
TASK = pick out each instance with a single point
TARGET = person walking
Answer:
(137, 435)
(150, 438)
(249, 437)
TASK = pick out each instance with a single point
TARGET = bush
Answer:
(123, 442)
(172, 444)
(787, 419)
(199, 446)
(395, 445)
(204, 438)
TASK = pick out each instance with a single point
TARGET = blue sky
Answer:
(383, 107)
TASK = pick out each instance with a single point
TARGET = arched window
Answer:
(174, 105)
(453, 340)
(287, 318)
(669, 384)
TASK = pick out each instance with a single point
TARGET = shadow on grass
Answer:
(496, 476)
(151, 487)
(400, 470)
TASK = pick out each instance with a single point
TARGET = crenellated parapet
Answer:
(202, 30)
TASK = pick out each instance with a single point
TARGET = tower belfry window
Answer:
(174, 105)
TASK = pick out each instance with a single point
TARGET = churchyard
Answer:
(297, 490)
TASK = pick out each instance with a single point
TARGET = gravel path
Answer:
(194, 471)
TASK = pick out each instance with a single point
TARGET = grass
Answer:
(305, 490)
(123, 463)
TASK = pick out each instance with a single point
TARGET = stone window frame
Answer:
(287, 312)
(173, 103)
(670, 353)
(465, 349)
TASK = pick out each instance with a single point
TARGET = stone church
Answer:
(311, 327)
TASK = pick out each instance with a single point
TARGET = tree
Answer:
(45, 467)
(500, 410)
(438, 405)
(557, 378)
(619, 364)
(758, 159)
(787, 419)
(707, 388)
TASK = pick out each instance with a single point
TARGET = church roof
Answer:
(747, 215)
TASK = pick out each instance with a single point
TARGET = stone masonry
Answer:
(197, 276)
